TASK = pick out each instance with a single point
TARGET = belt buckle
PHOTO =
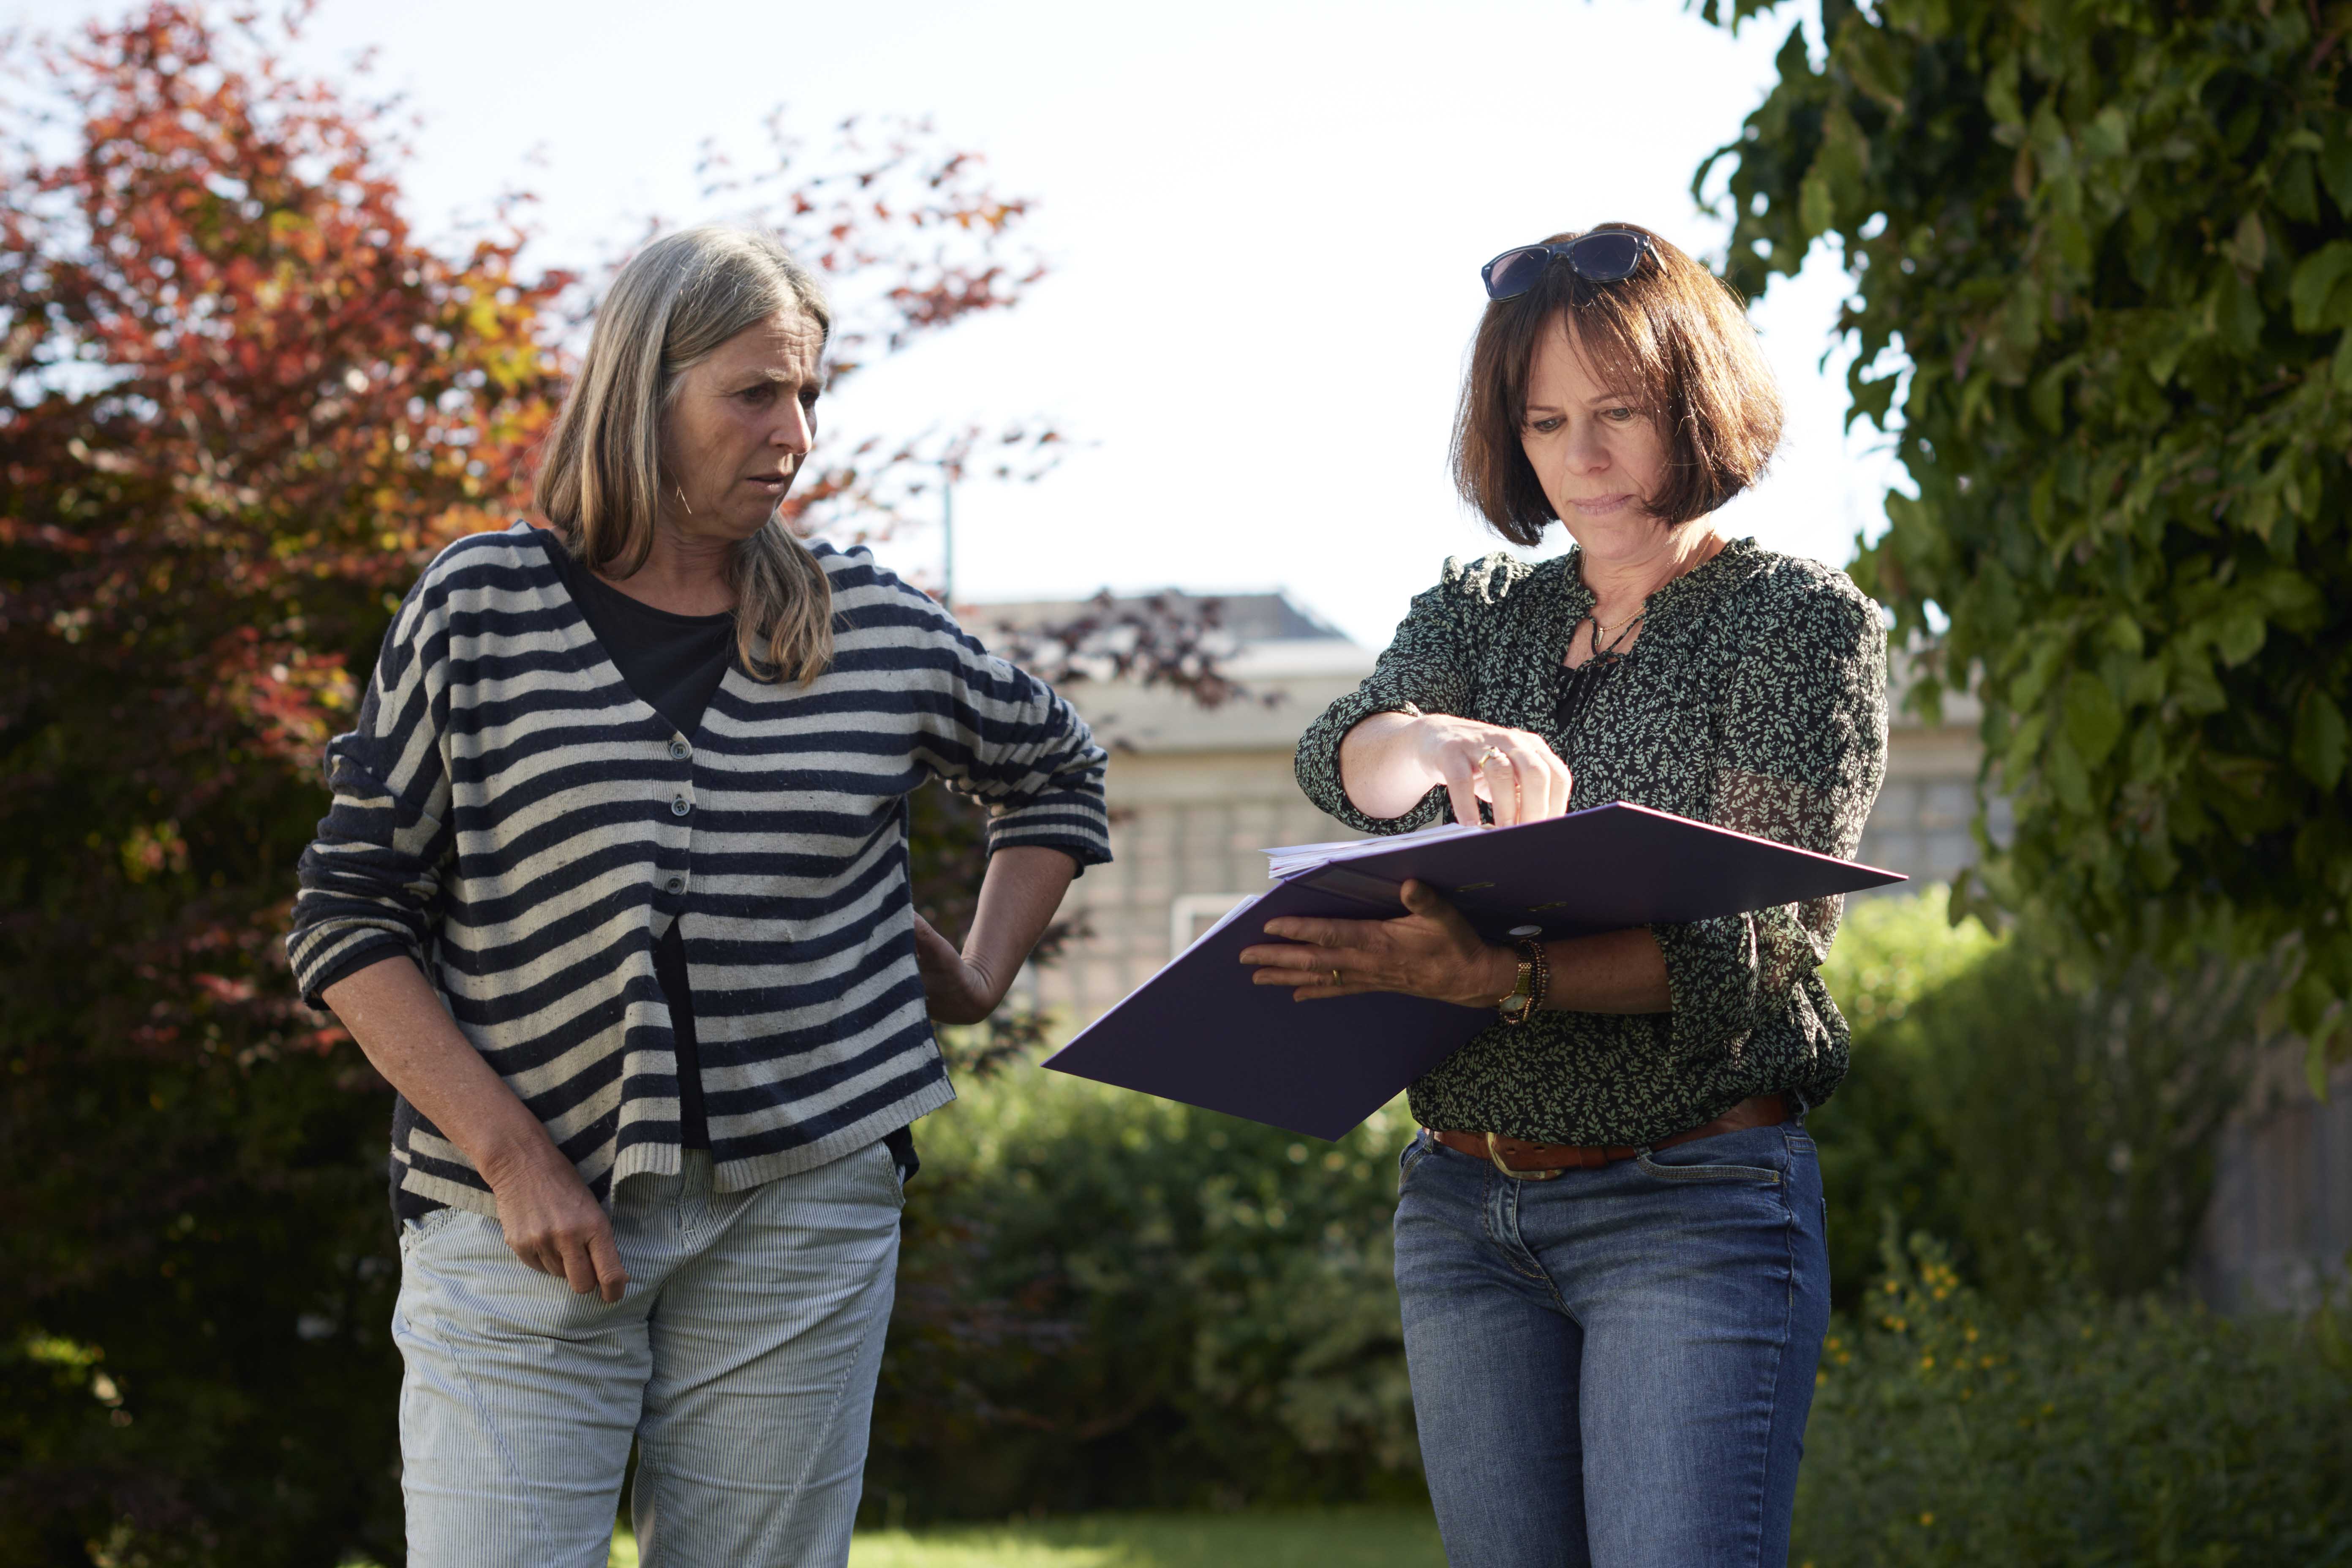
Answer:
(1494, 1155)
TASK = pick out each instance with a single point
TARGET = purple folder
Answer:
(1200, 1033)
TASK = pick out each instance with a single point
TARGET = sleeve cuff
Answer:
(1710, 988)
(1319, 767)
(1077, 825)
(349, 961)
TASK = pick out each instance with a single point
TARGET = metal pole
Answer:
(947, 533)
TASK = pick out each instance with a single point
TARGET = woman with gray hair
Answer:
(615, 891)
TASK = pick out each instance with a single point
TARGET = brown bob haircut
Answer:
(1672, 338)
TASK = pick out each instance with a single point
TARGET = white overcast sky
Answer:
(1264, 221)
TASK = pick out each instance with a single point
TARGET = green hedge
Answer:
(1111, 1301)
(2088, 1433)
(1999, 1102)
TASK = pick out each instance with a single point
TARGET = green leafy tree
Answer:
(2102, 278)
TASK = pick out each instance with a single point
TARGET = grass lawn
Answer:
(1365, 1538)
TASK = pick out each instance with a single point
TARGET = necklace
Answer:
(1624, 628)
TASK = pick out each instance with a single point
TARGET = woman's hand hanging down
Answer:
(1018, 896)
(546, 1213)
(1390, 761)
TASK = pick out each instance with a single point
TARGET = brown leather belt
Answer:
(1543, 1162)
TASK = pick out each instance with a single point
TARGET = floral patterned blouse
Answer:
(1755, 699)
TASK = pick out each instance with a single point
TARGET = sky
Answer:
(1263, 223)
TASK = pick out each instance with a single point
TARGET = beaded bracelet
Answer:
(1535, 967)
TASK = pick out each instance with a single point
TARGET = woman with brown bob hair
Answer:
(1609, 1231)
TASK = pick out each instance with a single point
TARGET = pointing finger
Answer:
(1503, 785)
(1461, 788)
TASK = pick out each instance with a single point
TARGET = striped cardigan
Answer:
(510, 816)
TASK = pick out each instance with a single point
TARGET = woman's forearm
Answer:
(1388, 762)
(1018, 898)
(1380, 766)
(406, 1032)
(1616, 972)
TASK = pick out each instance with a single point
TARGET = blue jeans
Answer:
(1614, 1367)
(741, 1359)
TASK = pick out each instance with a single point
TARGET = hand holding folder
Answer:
(1201, 1033)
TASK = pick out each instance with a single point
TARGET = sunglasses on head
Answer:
(1609, 255)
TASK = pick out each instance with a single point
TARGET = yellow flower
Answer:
(1926, 1364)
(1927, 1519)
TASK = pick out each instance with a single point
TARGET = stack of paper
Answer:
(1201, 1032)
(1291, 860)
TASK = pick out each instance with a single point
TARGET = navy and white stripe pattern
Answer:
(508, 815)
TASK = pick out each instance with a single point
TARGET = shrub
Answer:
(1113, 1301)
(2087, 1432)
(1995, 1099)
(1882, 1145)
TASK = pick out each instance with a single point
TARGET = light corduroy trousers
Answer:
(741, 1359)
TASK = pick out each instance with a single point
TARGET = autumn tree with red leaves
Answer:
(246, 403)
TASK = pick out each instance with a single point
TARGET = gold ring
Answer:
(1493, 751)
(1335, 977)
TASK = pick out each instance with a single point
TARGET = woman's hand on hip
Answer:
(555, 1224)
(1514, 771)
(955, 989)
(1431, 951)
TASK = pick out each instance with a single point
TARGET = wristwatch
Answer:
(1526, 993)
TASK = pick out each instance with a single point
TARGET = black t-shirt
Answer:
(673, 665)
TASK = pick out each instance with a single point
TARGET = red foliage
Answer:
(248, 402)
(251, 403)
(243, 403)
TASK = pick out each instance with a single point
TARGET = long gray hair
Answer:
(672, 306)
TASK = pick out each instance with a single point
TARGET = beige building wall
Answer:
(1196, 796)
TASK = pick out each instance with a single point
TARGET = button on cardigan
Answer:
(1754, 699)
(507, 813)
